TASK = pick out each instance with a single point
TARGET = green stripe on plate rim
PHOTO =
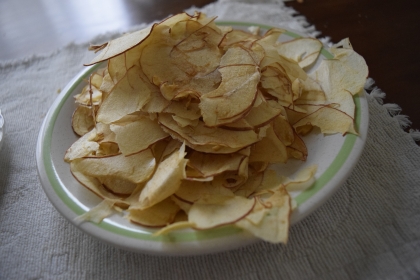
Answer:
(193, 235)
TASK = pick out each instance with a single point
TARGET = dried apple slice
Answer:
(184, 205)
(214, 211)
(329, 120)
(157, 102)
(184, 109)
(129, 95)
(173, 227)
(191, 191)
(183, 122)
(233, 179)
(304, 51)
(120, 45)
(83, 146)
(117, 186)
(308, 92)
(239, 55)
(136, 168)
(138, 135)
(89, 96)
(182, 55)
(297, 149)
(107, 85)
(236, 36)
(158, 215)
(129, 41)
(275, 82)
(117, 67)
(271, 181)
(273, 218)
(283, 130)
(82, 120)
(347, 71)
(345, 74)
(233, 98)
(205, 139)
(268, 42)
(107, 149)
(98, 213)
(165, 181)
(269, 149)
(251, 185)
(259, 115)
(303, 180)
(91, 183)
(214, 164)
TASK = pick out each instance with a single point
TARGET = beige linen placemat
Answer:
(370, 229)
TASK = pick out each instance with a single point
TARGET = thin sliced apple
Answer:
(191, 191)
(259, 115)
(214, 211)
(83, 146)
(297, 149)
(129, 95)
(205, 139)
(274, 224)
(304, 51)
(117, 186)
(138, 135)
(165, 181)
(158, 215)
(233, 98)
(82, 120)
(329, 120)
(136, 168)
(214, 164)
(269, 149)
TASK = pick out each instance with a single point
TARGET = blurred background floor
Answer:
(385, 33)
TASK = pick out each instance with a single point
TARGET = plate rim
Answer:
(236, 236)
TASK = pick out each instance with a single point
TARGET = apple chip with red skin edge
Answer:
(165, 181)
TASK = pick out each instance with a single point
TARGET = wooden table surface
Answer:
(385, 33)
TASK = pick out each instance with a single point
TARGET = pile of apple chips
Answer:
(181, 126)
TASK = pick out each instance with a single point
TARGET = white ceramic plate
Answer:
(335, 156)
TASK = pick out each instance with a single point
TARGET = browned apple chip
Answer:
(181, 127)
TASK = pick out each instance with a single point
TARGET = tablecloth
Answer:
(370, 229)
